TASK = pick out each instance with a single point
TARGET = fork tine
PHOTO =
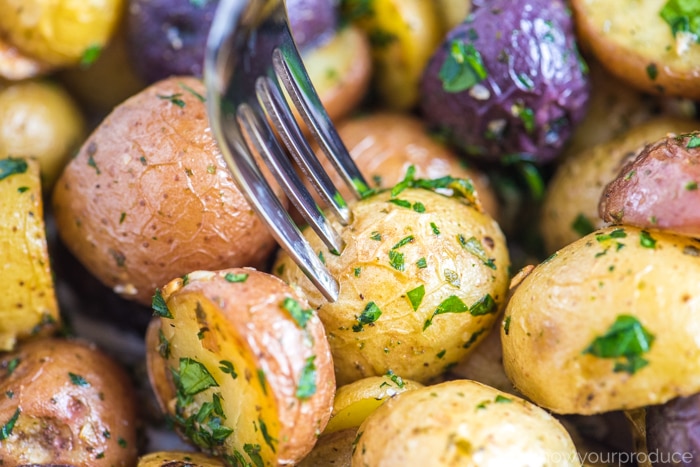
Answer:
(290, 68)
(280, 114)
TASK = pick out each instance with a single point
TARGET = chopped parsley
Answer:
(193, 377)
(227, 367)
(691, 186)
(357, 271)
(200, 97)
(253, 451)
(506, 325)
(415, 296)
(369, 315)
(7, 428)
(78, 380)
(300, 315)
(434, 228)
(646, 240)
(462, 68)
(90, 55)
(422, 263)
(582, 225)
(404, 241)
(474, 246)
(652, 71)
(12, 365)
(617, 233)
(11, 166)
(173, 98)
(473, 338)
(376, 236)
(396, 379)
(484, 306)
(307, 381)
(452, 304)
(682, 16)
(693, 142)
(160, 308)
(240, 277)
(626, 340)
(401, 202)
(396, 260)
(502, 399)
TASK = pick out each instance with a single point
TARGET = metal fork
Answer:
(250, 57)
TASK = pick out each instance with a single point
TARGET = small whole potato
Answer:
(462, 422)
(659, 188)
(65, 402)
(149, 196)
(422, 279)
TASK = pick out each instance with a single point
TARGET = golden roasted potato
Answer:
(422, 279)
(28, 307)
(65, 402)
(149, 196)
(39, 119)
(462, 422)
(242, 365)
(179, 459)
(570, 208)
(659, 188)
(332, 450)
(59, 32)
(608, 323)
(645, 49)
(353, 402)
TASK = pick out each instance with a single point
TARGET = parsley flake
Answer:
(415, 296)
(240, 277)
(160, 308)
(484, 306)
(646, 240)
(227, 367)
(173, 98)
(582, 225)
(693, 142)
(682, 16)
(452, 304)
(7, 428)
(474, 246)
(11, 166)
(463, 67)
(90, 55)
(78, 380)
(626, 339)
(300, 315)
(369, 315)
(307, 381)
(193, 377)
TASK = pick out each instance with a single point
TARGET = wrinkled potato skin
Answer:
(61, 421)
(566, 302)
(659, 188)
(149, 197)
(179, 459)
(385, 144)
(400, 340)
(461, 422)
(579, 181)
(332, 450)
(246, 324)
(627, 44)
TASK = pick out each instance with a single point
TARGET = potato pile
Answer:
(518, 282)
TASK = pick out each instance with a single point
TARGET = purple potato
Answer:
(168, 37)
(508, 81)
(673, 432)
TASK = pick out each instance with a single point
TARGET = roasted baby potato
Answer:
(659, 188)
(39, 119)
(179, 459)
(28, 307)
(65, 402)
(242, 365)
(570, 208)
(654, 50)
(461, 422)
(507, 81)
(422, 279)
(607, 323)
(59, 32)
(355, 401)
(149, 196)
(15, 66)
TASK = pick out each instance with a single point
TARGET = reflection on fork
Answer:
(251, 60)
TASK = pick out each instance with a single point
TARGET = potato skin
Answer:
(671, 429)
(76, 406)
(576, 296)
(332, 450)
(179, 459)
(149, 197)
(461, 422)
(659, 188)
(373, 327)
(257, 353)
(570, 206)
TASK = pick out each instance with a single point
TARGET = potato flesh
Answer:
(28, 304)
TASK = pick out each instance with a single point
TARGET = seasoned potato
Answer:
(332, 450)
(28, 306)
(59, 32)
(65, 403)
(355, 401)
(462, 422)
(642, 49)
(179, 459)
(242, 365)
(15, 66)
(422, 279)
(403, 34)
(659, 188)
(149, 196)
(608, 323)
(570, 208)
(39, 119)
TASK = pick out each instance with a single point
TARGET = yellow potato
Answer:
(608, 323)
(59, 32)
(16, 66)
(332, 450)
(179, 459)
(28, 304)
(453, 12)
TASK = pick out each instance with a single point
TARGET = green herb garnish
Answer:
(474, 246)
(227, 367)
(646, 240)
(6, 429)
(484, 306)
(415, 296)
(582, 226)
(78, 380)
(160, 308)
(300, 315)
(626, 339)
(193, 377)
(307, 381)
(240, 277)
(90, 55)
(11, 166)
(462, 68)
(369, 315)
(173, 98)
(682, 16)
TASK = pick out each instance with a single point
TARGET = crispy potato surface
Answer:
(28, 307)
(149, 197)
(608, 323)
(641, 48)
(659, 188)
(249, 374)
(65, 402)
(462, 422)
(422, 279)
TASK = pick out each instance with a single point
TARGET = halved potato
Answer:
(28, 305)
(242, 365)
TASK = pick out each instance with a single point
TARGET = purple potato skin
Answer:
(536, 89)
(168, 37)
(674, 427)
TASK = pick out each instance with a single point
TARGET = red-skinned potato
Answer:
(242, 365)
(659, 188)
(149, 196)
(65, 403)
